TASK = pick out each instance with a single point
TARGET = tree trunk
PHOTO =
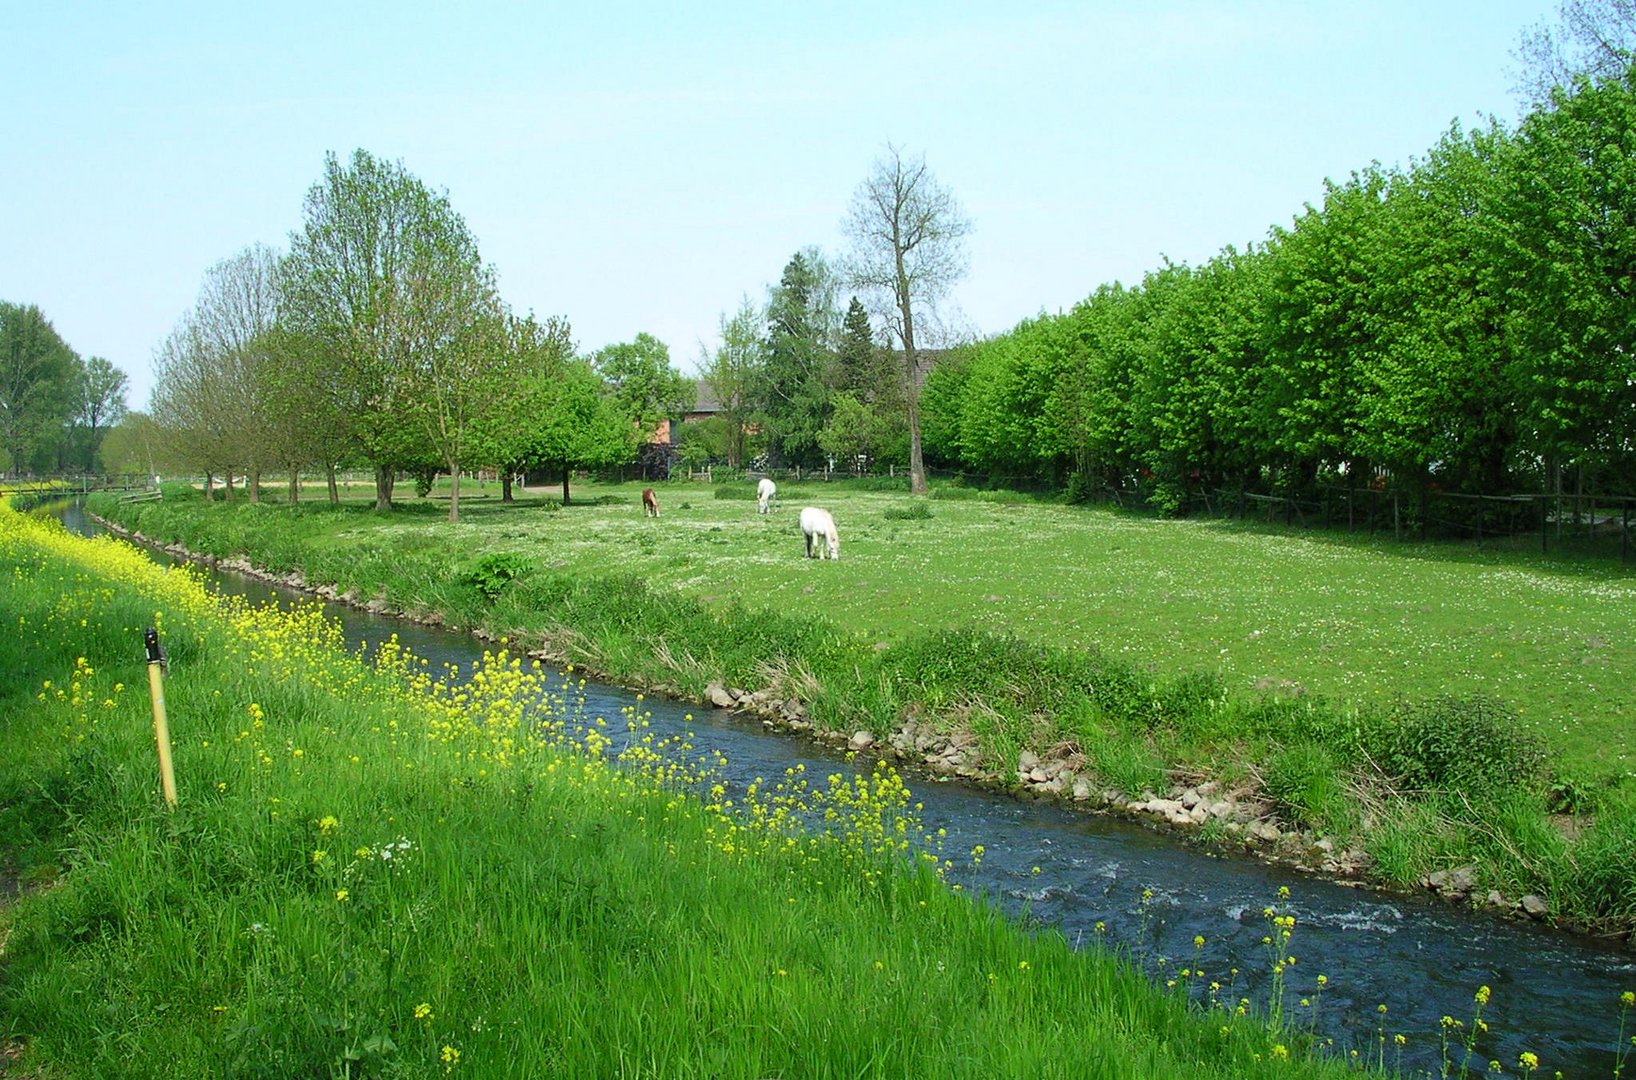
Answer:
(384, 476)
(505, 486)
(911, 361)
(454, 491)
(334, 489)
(295, 484)
(565, 483)
(253, 482)
(210, 485)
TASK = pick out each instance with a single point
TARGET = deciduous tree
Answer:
(37, 372)
(907, 234)
(734, 371)
(381, 277)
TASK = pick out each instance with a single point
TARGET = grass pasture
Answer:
(370, 875)
(1431, 707)
(1345, 617)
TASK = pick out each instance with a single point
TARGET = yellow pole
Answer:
(161, 729)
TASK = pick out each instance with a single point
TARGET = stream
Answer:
(1553, 993)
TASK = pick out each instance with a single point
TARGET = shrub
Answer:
(1471, 745)
(919, 510)
(1082, 487)
(739, 490)
(495, 570)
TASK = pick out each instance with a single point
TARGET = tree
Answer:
(856, 433)
(234, 320)
(135, 444)
(733, 372)
(643, 382)
(863, 368)
(794, 388)
(191, 403)
(906, 232)
(585, 426)
(102, 404)
(1592, 37)
(1567, 200)
(382, 276)
(37, 369)
(534, 358)
(458, 387)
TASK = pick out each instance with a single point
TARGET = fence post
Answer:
(161, 727)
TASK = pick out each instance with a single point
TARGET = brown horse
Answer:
(650, 502)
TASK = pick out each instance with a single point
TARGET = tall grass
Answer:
(372, 873)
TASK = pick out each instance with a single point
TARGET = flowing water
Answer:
(1554, 994)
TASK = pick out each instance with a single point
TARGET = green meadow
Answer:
(371, 874)
(1348, 617)
(1427, 707)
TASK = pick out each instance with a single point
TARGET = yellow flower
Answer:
(1528, 1060)
(1279, 1052)
(1400, 1040)
(327, 822)
(423, 1011)
(1628, 998)
(319, 856)
(1482, 995)
(450, 1057)
(341, 896)
(1198, 941)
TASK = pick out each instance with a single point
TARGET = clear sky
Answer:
(642, 166)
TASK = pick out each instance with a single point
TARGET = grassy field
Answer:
(1346, 617)
(1427, 708)
(370, 875)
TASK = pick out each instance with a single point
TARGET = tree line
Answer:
(56, 407)
(379, 340)
(1467, 323)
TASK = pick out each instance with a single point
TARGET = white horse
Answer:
(764, 494)
(818, 526)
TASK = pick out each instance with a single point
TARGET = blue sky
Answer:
(641, 167)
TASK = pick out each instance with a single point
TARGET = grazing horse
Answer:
(650, 502)
(819, 529)
(764, 494)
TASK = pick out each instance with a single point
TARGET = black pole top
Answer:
(156, 655)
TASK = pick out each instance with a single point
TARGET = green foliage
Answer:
(1166, 597)
(40, 380)
(643, 383)
(495, 571)
(1471, 745)
(735, 490)
(1466, 317)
